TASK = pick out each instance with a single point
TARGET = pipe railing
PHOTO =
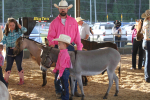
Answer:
(96, 40)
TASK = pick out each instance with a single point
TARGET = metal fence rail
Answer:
(124, 39)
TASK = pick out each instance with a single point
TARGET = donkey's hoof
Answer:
(82, 98)
(104, 97)
(85, 84)
(116, 95)
(44, 83)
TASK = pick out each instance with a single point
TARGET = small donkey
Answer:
(86, 63)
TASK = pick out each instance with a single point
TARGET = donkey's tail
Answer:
(119, 70)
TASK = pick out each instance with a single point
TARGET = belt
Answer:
(11, 47)
(67, 69)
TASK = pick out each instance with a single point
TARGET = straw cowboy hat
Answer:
(63, 38)
(79, 19)
(117, 23)
(146, 14)
(63, 4)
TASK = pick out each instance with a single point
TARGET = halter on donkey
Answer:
(86, 63)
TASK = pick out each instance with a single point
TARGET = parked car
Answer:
(35, 35)
(103, 32)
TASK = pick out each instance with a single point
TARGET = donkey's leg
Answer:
(110, 77)
(44, 75)
(117, 84)
(73, 80)
(79, 80)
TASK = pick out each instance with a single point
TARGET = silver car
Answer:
(35, 35)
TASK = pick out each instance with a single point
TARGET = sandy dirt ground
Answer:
(132, 84)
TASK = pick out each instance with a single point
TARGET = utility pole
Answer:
(95, 11)
(149, 4)
(51, 7)
(42, 9)
(106, 7)
(3, 12)
(139, 8)
(51, 15)
(90, 12)
(77, 8)
(106, 11)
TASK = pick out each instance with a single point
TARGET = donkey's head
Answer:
(17, 49)
(138, 27)
(48, 55)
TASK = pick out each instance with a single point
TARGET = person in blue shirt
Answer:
(12, 32)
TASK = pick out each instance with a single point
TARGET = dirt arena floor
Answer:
(132, 84)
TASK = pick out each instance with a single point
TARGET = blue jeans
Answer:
(117, 39)
(146, 47)
(65, 78)
(11, 59)
(57, 86)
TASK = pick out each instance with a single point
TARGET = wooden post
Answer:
(77, 8)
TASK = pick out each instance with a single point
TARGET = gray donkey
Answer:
(86, 63)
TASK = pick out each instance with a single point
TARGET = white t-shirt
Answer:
(115, 31)
(84, 30)
(63, 21)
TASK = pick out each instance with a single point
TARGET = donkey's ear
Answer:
(41, 46)
(46, 42)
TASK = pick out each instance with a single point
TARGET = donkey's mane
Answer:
(27, 39)
(31, 40)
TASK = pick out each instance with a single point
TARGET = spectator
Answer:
(83, 28)
(116, 30)
(137, 45)
(146, 43)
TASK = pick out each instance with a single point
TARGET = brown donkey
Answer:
(35, 52)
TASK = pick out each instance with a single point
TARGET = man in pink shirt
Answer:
(64, 24)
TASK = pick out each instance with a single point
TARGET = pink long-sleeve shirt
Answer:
(63, 62)
(134, 32)
(71, 29)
